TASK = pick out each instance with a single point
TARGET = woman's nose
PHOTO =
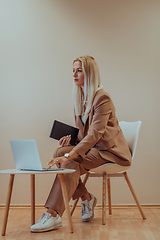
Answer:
(75, 73)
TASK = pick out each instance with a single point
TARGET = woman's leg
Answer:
(75, 187)
(55, 198)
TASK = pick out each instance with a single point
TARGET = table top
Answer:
(57, 171)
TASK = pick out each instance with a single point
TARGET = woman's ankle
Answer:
(86, 197)
(52, 212)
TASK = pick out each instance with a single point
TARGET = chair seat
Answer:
(109, 168)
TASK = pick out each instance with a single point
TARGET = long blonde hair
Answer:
(91, 84)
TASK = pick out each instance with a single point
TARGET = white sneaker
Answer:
(46, 223)
(87, 212)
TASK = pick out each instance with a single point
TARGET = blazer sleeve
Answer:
(100, 113)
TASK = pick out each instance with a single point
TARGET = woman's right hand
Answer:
(65, 141)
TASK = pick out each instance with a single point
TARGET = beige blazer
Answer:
(101, 130)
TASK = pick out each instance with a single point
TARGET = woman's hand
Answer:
(65, 141)
(57, 161)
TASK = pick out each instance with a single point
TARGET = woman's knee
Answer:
(70, 165)
(59, 152)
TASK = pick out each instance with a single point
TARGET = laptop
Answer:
(26, 156)
(60, 130)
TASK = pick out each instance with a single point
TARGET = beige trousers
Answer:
(75, 187)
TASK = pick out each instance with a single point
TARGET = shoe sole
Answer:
(89, 219)
(48, 229)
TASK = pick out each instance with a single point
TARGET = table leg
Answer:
(65, 197)
(10, 187)
(32, 199)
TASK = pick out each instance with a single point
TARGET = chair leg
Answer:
(76, 201)
(104, 200)
(109, 195)
(134, 195)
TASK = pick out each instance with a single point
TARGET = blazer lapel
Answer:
(85, 127)
(82, 127)
(87, 116)
(79, 123)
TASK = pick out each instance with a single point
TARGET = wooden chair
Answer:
(108, 170)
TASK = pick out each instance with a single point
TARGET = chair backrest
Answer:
(131, 132)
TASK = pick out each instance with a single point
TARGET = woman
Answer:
(100, 140)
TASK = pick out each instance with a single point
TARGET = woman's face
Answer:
(78, 74)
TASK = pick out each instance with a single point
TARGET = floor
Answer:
(123, 224)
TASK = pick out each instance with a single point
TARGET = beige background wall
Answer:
(38, 41)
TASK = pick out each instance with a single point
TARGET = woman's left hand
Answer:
(57, 161)
(65, 141)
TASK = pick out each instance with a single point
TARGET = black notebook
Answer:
(60, 130)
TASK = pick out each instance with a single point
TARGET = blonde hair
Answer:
(91, 84)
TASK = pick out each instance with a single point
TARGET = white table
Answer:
(13, 172)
